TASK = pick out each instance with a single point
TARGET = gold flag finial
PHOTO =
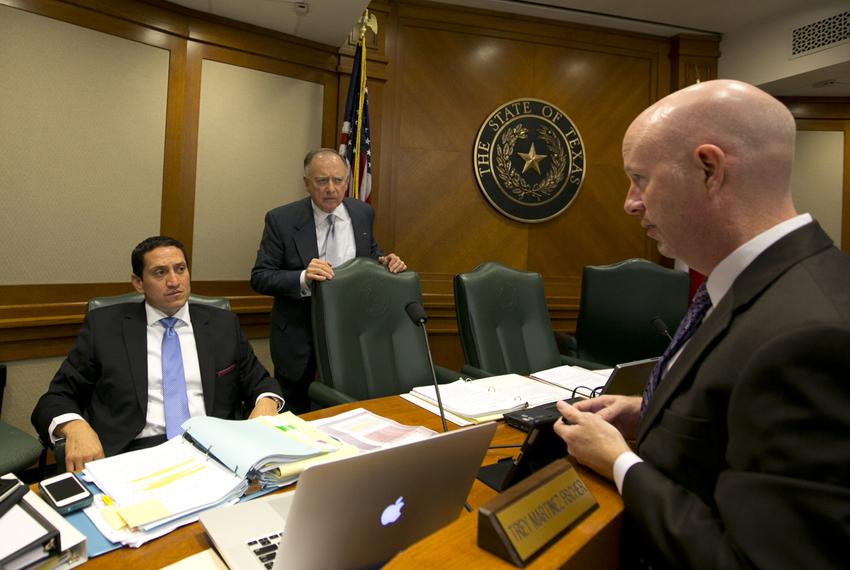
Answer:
(369, 21)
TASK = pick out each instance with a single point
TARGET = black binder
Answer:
(33, 548)
(11, 493)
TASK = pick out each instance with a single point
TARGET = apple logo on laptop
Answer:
(393, 512)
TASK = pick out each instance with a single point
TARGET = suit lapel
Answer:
(304, 233)
(135, 333)
(206, 354)
(765, 269)
(360, 226)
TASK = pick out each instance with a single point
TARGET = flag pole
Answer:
(366, 21)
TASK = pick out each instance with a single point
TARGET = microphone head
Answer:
(416, 312)
(661, 327)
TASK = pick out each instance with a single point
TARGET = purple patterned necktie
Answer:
(692, 320)
(174, 398)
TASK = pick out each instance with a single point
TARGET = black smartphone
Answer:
(65, 493)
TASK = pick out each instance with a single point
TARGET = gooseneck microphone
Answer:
(416, 312)
(661, 327)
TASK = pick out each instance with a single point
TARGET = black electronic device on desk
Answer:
(541, 447)
(627, 379)
(537, 416)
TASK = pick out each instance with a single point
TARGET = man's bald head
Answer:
(718, 155)
(748, 124)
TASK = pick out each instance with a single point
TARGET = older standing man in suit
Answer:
(138, 370)
(742, 438)
(302, 242)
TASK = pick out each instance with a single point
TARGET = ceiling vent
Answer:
(821, 35)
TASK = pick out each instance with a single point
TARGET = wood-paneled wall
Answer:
(435, 73)
(448, 69)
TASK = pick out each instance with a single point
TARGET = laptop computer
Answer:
(629, 378)
(356, 512)
(626, 379)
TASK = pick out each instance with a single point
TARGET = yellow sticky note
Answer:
(144, 512)
(112, 518)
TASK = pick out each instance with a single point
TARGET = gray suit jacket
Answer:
(746, 442)
(287, 246)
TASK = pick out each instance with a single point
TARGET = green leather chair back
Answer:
(503, 320)
(618, 303)
(135, 297)
(366, 346)
(18, 450)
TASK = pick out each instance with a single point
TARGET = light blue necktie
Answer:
(174, 397)
(330, 253)
(699, 307)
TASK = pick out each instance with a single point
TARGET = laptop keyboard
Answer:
(265, 548)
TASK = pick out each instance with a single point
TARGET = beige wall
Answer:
(255, 128)
(81, 155)
(817, 180)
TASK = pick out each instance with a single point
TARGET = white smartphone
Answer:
(65, 493)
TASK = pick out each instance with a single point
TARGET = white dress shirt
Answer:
(343, 232)
(718, 283)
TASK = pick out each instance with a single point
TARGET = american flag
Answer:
(355, 142)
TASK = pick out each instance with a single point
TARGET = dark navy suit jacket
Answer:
(105, 376)
(287, 246)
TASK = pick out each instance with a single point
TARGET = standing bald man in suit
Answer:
(742, 455)
(302, 242)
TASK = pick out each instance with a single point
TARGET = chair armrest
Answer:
(590, 365)
(567, 344)
(324, 396)
(474, 372)
(446, 375)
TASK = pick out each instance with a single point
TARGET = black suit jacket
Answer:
(746, 442)
(287, 246)
(105, 376)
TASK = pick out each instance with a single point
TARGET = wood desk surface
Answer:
(593, 543)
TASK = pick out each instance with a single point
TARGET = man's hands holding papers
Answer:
(595, 429)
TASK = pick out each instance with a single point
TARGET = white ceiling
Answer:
(330, 21)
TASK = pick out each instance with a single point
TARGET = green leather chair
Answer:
(18, 449)
(135, 297)
(618, 304)
(366, 345)
(503, 321)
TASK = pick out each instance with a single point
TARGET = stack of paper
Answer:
(155, 486)
(485, 399)
(581, 381)
(367, 431)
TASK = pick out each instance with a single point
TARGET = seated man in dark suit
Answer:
(742, 455)
(138, 370)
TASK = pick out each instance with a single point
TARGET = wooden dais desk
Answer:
(593, 543)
